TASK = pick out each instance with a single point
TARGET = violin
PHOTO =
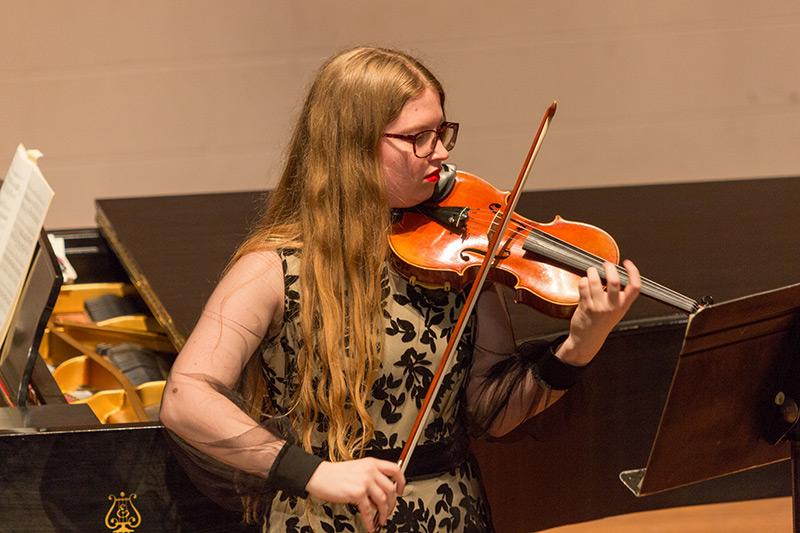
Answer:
(472, 233)
(442, 244)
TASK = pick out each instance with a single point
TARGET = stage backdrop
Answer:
(150, 97)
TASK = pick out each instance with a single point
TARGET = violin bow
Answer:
(502, 219)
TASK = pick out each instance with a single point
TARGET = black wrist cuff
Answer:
(292, 469)
(553, 371)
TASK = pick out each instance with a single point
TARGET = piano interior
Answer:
(102, 348)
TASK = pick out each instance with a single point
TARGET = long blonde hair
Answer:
(331, 202)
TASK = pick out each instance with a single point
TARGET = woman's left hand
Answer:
(599, 310)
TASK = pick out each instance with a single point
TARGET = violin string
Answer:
(592, 260)
(581, 259)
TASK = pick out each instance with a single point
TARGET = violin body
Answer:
(443, 246)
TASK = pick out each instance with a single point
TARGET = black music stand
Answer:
(19, 352)
(733, 402)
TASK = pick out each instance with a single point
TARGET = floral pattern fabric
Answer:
(418, 322)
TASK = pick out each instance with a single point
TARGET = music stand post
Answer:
(733, 402)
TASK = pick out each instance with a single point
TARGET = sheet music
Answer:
(24, 199)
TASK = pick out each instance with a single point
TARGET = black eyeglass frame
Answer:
(438, 137)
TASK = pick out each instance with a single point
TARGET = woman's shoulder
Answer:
(258, 262)
(255, 277)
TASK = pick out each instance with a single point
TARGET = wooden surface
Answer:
(770, 515)
(730, 369)
(563, 467)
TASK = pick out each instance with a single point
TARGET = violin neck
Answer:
(569, 255)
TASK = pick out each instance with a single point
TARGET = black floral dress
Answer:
(417, 322)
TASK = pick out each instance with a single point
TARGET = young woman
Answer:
(333, 351)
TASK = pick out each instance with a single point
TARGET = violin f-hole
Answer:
(503, 253)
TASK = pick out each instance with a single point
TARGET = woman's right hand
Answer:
(370, 484)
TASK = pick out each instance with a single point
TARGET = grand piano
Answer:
(62, 469)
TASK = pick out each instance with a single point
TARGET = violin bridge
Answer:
(495, 209)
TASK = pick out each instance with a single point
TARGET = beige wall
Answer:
(157, 97)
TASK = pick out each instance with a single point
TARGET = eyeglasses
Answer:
(424, 142)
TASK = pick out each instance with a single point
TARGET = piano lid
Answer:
(724, 239)
(174, 248)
